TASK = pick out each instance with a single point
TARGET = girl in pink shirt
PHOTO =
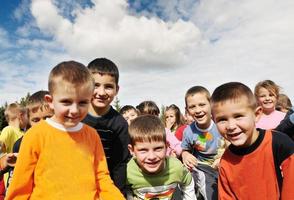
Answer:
(266, 93)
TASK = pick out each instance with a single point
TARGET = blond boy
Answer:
(62, 158)
(258, 164)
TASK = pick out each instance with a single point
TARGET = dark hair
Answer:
(37, 97)
(126, 108)
(197, 89)
(233, 91)
(104, 66)
(148, 107)
(69, 71)
(147, 128)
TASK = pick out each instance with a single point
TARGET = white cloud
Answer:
(108, 30)
(218, 41)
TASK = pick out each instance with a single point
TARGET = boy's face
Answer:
(39, 113)
(105, 90)
(199, 108)
(70, 103)
(266, 99)
(150, 156)
(130, 115)
(235, 121)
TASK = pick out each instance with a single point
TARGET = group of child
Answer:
(79, 147)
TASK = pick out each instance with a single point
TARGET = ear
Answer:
(117, 89)
(49, 99)
(258, 113)
(131, 149)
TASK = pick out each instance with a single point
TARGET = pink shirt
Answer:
(270, 121)
(173, 143)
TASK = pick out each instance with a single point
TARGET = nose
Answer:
(231, 125)
(100, 91)
(151, 155)
(74, 109)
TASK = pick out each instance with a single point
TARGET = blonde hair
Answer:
(147, 128)
(37, 101)
(71, 72)
(13, 110)
(270, 85)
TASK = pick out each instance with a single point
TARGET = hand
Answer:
(169, 124)
(215, 164)
(11, 159)
(189, 160)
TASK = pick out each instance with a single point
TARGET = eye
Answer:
(83, 103)
(66, 102)
(35, 119)
(97, 85)
(220, 120)
(158, 149)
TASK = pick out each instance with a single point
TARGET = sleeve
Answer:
(174, 143)
(23, 176)
(287, 125)
(188, 186)
(283, 150)
(224, 190)
(121, 157)
(106, 189)
(5, 137)
(186, 143)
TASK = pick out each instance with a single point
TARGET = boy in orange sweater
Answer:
(60, 157)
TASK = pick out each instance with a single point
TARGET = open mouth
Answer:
(234, 136)
(200, 117)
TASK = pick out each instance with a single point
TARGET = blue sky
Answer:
(162, 47)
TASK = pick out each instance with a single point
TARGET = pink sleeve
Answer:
(174, 143)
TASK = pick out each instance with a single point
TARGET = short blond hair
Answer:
(13, 110)
(70, 71)
(147, 128)
(270, 85)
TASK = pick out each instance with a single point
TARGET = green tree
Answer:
(3, 122)
(24, 100)
(117, 105)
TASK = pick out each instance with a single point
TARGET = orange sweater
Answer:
(55, 164)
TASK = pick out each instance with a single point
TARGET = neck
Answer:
(98, 111)
(14, 123)
(268, 111)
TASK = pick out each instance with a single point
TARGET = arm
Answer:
(287, 125)
(23, 178)
(188, 159)
(120, 158)
(174, 143)
(106, 189)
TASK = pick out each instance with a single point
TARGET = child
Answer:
(62, 158)
(150, 174)
(109, 124)
(284, 104)
(258, 164)
(201, 141)
(267, 93)
(287, 124)
(17, 119)
(173, 144)
(129, 113)
(37, 109)
(188, 119)
(173, 118)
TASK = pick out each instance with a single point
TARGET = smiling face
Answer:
(105, 91)
(130, 115)
(70, 103)
(150, 156)
(235, 121)
(266, 99)
(199, 108)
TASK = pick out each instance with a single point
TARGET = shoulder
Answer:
(282, 143)
(8, 130)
